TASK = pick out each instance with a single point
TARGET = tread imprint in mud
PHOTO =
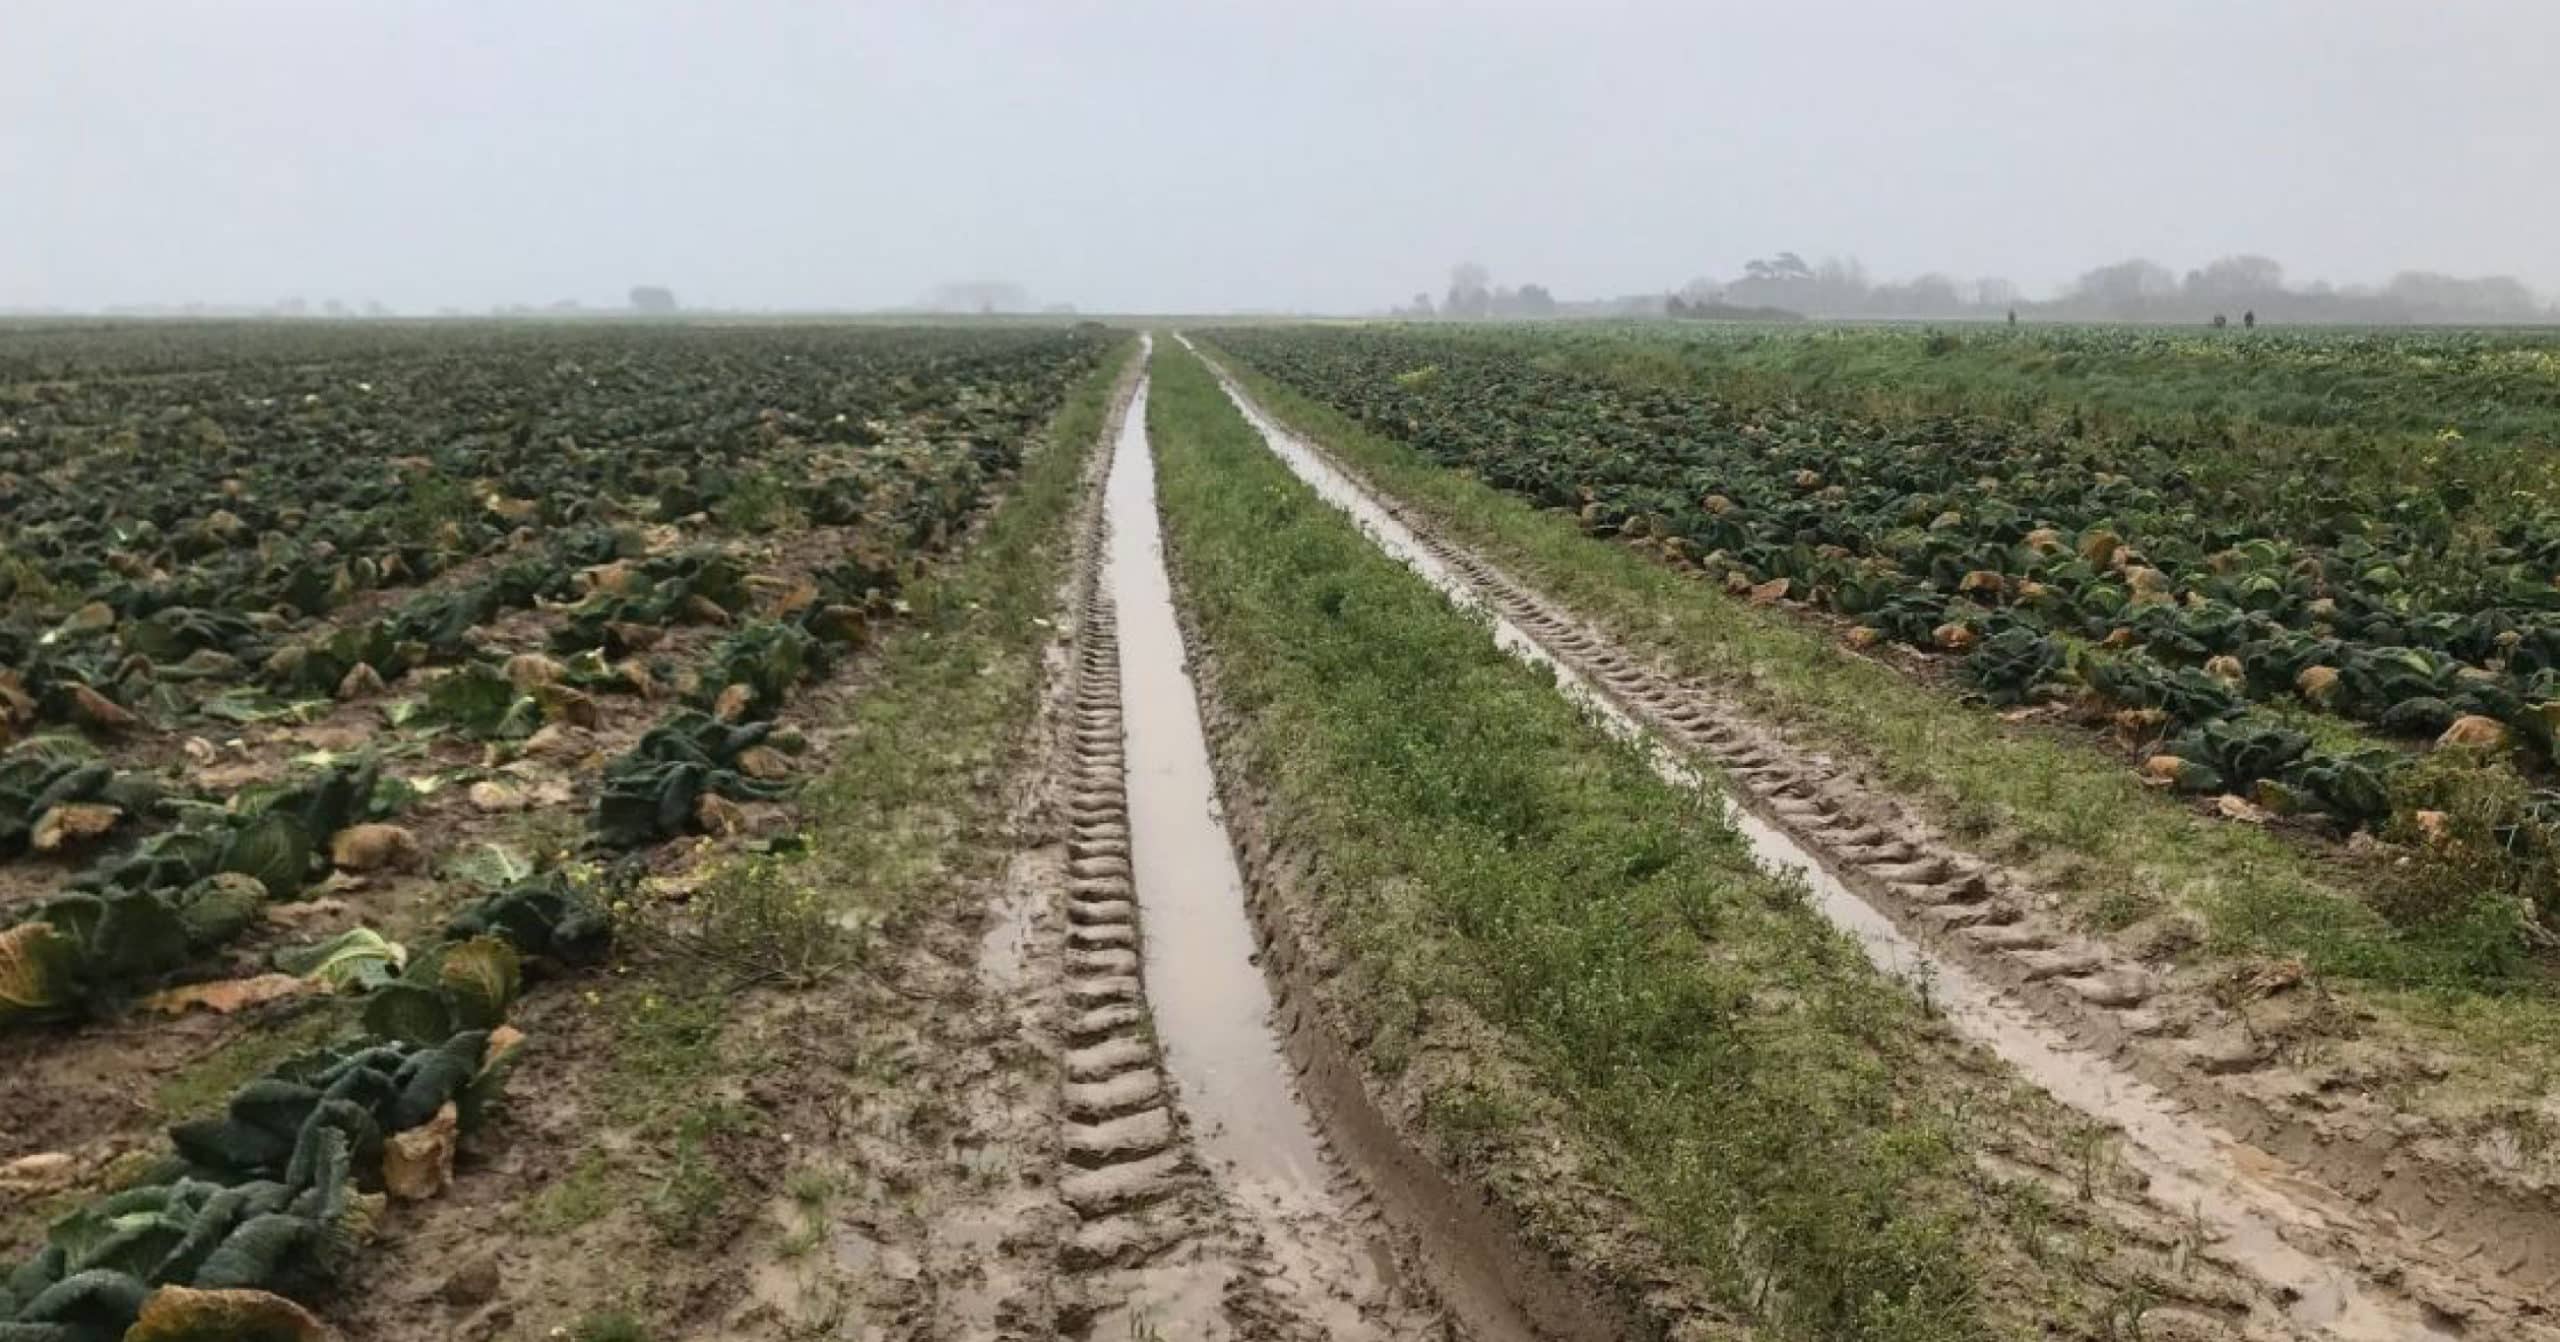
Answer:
(1874, 839)
(1120, 1143)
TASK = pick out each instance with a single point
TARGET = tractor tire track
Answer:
(2332, 1259)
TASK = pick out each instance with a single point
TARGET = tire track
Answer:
(2326, 1265)
(1205, 1203)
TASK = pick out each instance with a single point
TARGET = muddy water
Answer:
(2257, 1212)
(1211, 1006)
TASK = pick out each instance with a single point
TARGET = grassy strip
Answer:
(2115, 852)
(1781, 1116)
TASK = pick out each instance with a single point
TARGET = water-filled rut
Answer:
(1208, 1203)
(2312, 1252)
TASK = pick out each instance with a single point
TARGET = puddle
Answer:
(1211, 1007)
(2231, 1188)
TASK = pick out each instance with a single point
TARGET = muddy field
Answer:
(1061, 997)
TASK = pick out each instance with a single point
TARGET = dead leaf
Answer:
(71, 822)
(493, 796)
(102, 712)
(718, 814)
(185, 1314)
(504, 1040)
(764, 762)
(2472, 729)
(37, 1173)
(374, 847)
(418, 1164)
(2242, 809)
(295, 913)
(733, 703)
(528, 671)
(225, 996)
(1769, 592)
(360, 681)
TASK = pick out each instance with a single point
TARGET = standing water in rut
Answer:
(1210, 1007)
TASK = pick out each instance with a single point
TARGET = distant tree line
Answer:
(1473, 295)
(2245, 290)
(2242, 290)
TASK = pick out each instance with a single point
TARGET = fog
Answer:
(1171, 155)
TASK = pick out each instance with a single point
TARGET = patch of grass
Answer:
(205, 1085)
(666, 1046)
(2258, 894)
(696, 1185)
(1778, 1113)
(755, 921)
(591, 1188)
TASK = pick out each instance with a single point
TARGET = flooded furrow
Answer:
(2302, 1242)
(1207, 1203)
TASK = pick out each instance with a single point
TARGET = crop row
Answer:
(2036, 562)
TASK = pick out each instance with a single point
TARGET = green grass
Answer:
(1781, 1116)
(588, 1191)
(205, 1085)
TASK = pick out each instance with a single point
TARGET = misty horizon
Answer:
(1326, 158)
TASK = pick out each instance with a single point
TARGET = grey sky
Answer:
(1172, 154)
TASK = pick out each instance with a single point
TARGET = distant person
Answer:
(2249, 320)
(2013, 316)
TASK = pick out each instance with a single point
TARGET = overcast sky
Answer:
(1185, 155)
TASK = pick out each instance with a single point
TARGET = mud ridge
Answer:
(2466, 1261)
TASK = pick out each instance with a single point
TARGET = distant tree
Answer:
(2126, 288)
(1470, 291)
(1784, 267)
(1533, 300)
(2220, 321)
(1675, 306)
(2236, 276)
(652, 299)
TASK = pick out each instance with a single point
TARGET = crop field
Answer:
(646, 830)
(2289, 626)
(341, 671)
